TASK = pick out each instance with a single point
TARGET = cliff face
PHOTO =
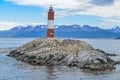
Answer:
(47, 51)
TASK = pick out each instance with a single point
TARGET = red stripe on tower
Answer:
(50, 30)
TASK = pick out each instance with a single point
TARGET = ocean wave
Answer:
(5, 50)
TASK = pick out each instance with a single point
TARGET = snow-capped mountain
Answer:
(74, 31)
(117, 29)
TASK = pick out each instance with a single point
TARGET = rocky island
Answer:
(53, 51)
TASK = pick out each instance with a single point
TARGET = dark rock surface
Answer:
(74, 53)
(108, 54)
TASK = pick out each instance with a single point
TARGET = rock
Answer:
(108, 54)
(94, 60)
(75, 53)
(117, 62)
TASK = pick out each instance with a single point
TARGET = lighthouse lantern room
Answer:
(50, 29)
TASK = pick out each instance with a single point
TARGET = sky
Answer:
(101, 13)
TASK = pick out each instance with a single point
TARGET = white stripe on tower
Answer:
(51, 24)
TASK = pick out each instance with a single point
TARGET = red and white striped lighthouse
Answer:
(50, 29)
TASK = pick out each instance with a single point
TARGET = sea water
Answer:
(11, 69)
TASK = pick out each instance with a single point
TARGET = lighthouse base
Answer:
(50, 33)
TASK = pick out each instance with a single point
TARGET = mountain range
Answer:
(63, 31)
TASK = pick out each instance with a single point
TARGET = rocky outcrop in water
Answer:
(74, 53)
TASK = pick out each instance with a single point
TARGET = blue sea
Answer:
(11, 69)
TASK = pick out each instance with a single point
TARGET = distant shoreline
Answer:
(117, 38)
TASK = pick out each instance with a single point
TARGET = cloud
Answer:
(9, 25)
(104, 11)
(100, 8)
(61, 14)
(102, 2)
(110, 23)
(81, 7)
(113, 20)
(45, 3)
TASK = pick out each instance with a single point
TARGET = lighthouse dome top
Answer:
(51, 8)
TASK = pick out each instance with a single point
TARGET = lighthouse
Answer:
(50, 29)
